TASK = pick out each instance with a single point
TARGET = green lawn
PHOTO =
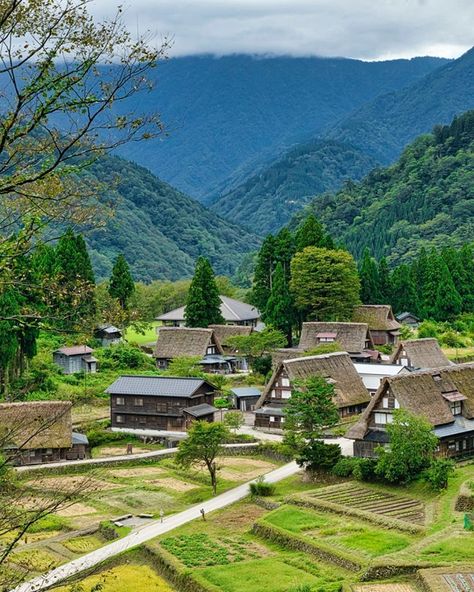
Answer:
(133, 336)
(455, 548)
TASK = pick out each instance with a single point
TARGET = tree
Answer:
(411, 450)
(257, 347)
(369, 279)
(185, 366)
(448, 302)
(262, 279)
(310, 233)
(121, 284)
(384, 282)
(404, 294)
(284, 249)
(324, 284)
(279, 311)
(68, 81)
(203, 302)
(201, 447)
(234, 420)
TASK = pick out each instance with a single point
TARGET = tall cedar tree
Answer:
(203, 302)
(284, 250)
(121, 285)
(404, 294)
(369, 279)
(385, 282)
(76, 282)
(311, 233)
(325, 284)
(279, 311)
(262, 279)
(448, 301)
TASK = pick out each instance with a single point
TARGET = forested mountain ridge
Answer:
(266, 201)
(425, 199)
(225, 114)
(160, 231)
(384, 126)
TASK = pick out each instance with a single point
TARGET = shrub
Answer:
(438, 473)
(98, 435)
(452, 339)
(428, 329)
(364, 469)
(261, 488)
(345, 466)
(262, 365)
(319, 456)
(124, 356)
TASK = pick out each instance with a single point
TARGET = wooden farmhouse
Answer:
(233, 312)
(77, 358)
(351, 397)
(443, 396)
(383, 328)
(153, 404)
(39, 432)
(108, 335)
(420, 353)
(245, 398)
(408, 319)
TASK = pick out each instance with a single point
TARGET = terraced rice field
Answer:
(373, 500)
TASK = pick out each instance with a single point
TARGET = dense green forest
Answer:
(160, 230)
(268, 200)
(224, 115)
(426, 199)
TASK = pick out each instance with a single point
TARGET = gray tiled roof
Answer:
(270, 411)
(232, 311)
(200, 410)
(461, 425)
(246, 391)
(155, 386)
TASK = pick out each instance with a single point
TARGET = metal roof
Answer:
(79, 438)
(246, 391)
(159, 386)
(75, 350)
(270, 411)
(232, 311)
(200, 410)
(459, 426)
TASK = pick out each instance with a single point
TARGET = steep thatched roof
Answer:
(223, 332)
(36, 424)
(352, 337)
(338, 367)
(423, 393)
(177, 342)
(286, 353)
(422, 353)
(379, 317)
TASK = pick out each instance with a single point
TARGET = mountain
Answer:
(160, 230)
(225, 114)
(375, 133)
(425, 199)
(265, 202)
(384, 126)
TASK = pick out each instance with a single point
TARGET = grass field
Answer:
(133, 336)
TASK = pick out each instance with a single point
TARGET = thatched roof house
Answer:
(177, 342)
(420, 353)
(234, 312)
(443, 396)
(384, 328)
(351, 397)
(352, 337)
(223, 332)
(285, 353)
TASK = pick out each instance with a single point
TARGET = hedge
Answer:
(296, 542)
(377, 519)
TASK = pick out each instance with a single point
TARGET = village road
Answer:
(148, 532)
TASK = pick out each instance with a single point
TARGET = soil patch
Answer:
(120, 451)
(138, 472)
(174, 484)
(243, 469)
(73, 483)
(76, 510)
(239, 517)
(385, 588)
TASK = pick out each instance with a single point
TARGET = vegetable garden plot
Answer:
(372, 500)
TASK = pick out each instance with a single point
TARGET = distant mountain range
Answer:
(228, 115)
(377, 132)
(160, 230)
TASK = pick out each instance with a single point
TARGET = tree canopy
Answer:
(203, 301)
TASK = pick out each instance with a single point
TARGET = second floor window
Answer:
(120, 401)
(138, 402)
(456, 407)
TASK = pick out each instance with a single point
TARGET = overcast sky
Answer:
(365, 29)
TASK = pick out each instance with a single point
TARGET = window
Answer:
(138, 402)
(385, 402)
(162, 407)
(176, 422)
(383, 418)
(211, 350)
(272, 394)
(396, 404)
(456, 407)
(282, 420)
(119, 419)
(120, 401)
(142, 420)
(272, 419)
(285, 394)
(285, 382)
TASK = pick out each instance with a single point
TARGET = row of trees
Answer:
(437, 285)
(303, 276)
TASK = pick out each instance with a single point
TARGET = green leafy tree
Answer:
(121, 284)
(234, 420)
(186, 367)
(262, 279)
(203, 301)
(310, 233)
(257, 347)
(279, 311)
(325, 284)
(411, 450)
(9, 334)
(369, 279)
(438, 473)
(202, 446)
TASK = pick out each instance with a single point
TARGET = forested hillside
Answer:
(384, 126)
(425, 199)
(267, 201)
(226, 114)
(160, 230)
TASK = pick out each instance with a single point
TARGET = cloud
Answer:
(365, 29)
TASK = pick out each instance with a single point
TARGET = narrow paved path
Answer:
(148, 532)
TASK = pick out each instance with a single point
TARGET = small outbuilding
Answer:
(77, 358)
(408, 319)
(245, 398)
(108, 335)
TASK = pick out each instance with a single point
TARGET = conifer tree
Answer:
(384, 282)
(404, 296)
(369, 280)
(121, 285)
(447, 302)
(284, 250)
(279, 312)
(310, 233)
(466, 258)
(262, 279)
(203, 301)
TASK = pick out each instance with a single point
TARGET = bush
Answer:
(98, 435)
(452, 339)
(262, 365)
(261, 488)
(428, 329)
(438, 473)
(364, 470)
(124, 356)
(345, 466)
(319, 456)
